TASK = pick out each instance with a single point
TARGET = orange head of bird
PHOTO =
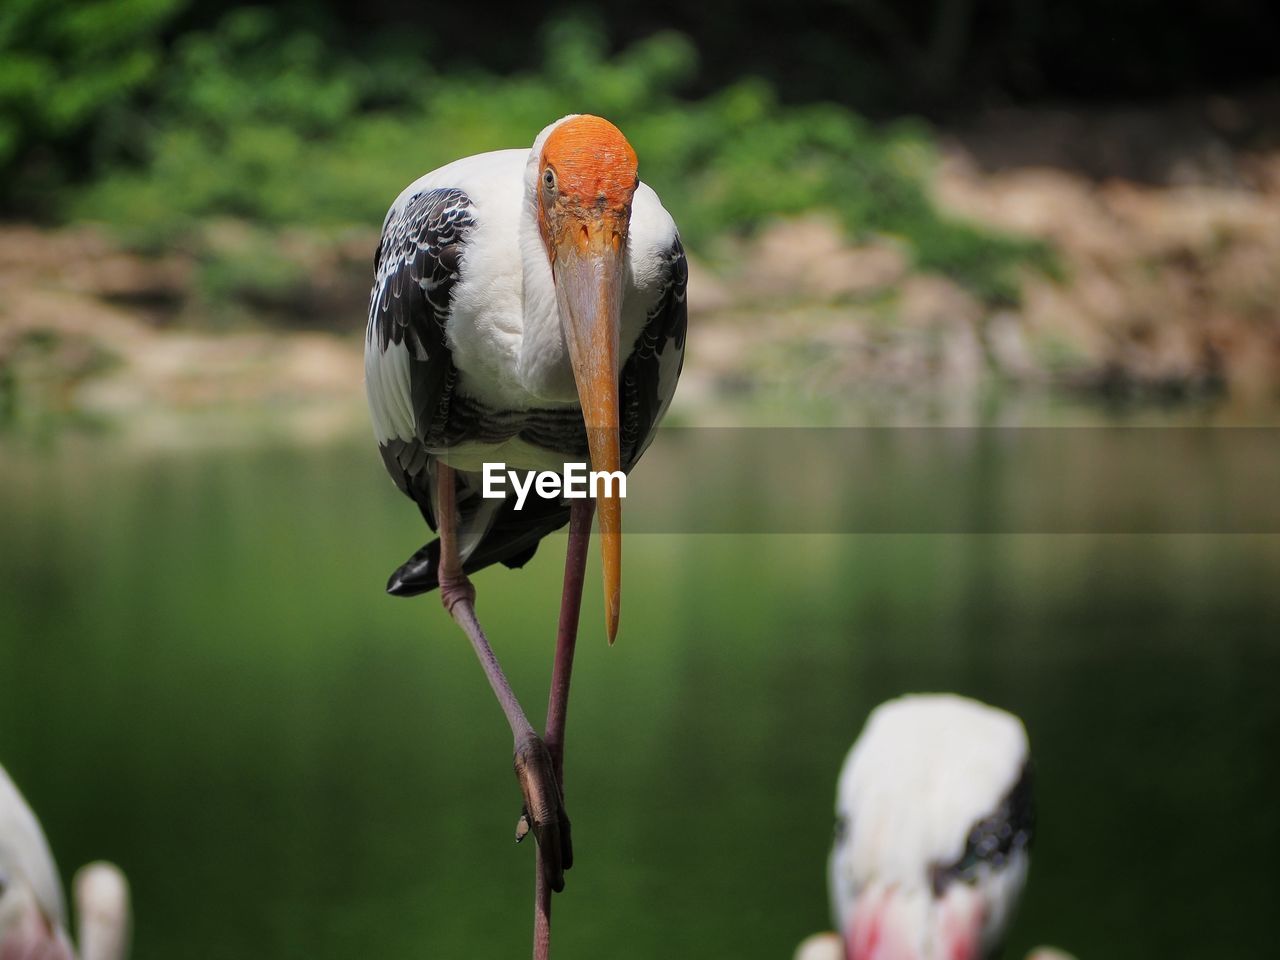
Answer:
(586, 180)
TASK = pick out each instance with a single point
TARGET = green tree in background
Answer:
(271, 125)
(67, 68)
(275, 123)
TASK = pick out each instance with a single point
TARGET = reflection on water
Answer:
(201, 679)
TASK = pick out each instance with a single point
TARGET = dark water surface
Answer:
(201, 679)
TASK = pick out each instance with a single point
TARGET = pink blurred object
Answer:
(33, 915)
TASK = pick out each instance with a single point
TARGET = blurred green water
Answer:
(201, 679)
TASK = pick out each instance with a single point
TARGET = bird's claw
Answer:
(543, 815)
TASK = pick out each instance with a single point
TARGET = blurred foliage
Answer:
(67, 70)
(270, 123)
(880, 57)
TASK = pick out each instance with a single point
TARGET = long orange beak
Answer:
(588, 278)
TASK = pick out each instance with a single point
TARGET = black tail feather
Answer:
(419, 574)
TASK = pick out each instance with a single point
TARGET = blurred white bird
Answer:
(33, 916)
(828, 946)
(933, 824)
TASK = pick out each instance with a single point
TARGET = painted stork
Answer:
(33, 917)
(933, 825)
(528, 309)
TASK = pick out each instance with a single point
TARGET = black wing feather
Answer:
(416, 266)
(418, 261)
(643, 391)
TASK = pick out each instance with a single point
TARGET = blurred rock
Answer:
(707, 292)
(86, 260)
(1172, 291)
(77, 340)
(810, 259)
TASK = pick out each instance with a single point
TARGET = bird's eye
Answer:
(549, 179)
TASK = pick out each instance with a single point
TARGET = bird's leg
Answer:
(541, 913)
(575, 569)
(543, 802)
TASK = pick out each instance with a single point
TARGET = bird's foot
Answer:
(544, 814)
(455, 589)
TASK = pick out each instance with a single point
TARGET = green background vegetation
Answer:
(158, 116)
(112, 113)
